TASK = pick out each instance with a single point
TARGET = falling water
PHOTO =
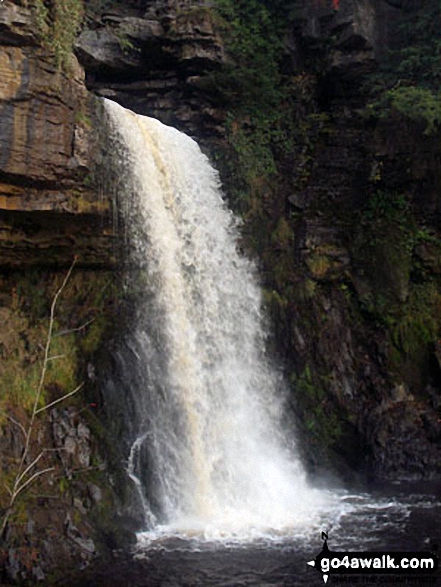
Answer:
(209, 406)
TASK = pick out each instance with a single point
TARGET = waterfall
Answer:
(209, 404)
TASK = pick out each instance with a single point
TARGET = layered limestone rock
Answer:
(152, 60)
(48, 209)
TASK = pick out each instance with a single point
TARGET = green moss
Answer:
(283, 271)
(124, 42)
(322, 419)
(80, 325)
(382, 252)
(258, 98)
(274, 300)
(303, 290)
(83, 119)
(319, 265)
(283, 235)
(418, 323)
(397, 290)
(62, 367)
(20, 356)
(93, 336)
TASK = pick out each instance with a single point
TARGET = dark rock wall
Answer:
(365, 369)
(152, 59)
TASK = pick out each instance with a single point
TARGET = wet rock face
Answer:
(40, 139)
(152, 60)
(16, 26)
(388, 392)
(360, 33)
(46, 153)
(149, 57)
(38, 121)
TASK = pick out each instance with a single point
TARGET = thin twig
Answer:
(16, 422)
(16, 493)
(78, 329)
(25, 472)
(60, 399)
(34, 476)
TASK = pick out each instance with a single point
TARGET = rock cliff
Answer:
(345, 222)
(151, 59)
(48, 208)
(362, 222)
(59, 492)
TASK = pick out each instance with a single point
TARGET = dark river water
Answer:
(395, 518)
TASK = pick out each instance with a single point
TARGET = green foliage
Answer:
(395, 288)
(274, 300)
(384, 210)
(417, 102)
(80, 326)
(93, 336)
(409, 78)
(83, 119)
(414, 102)
(125, 44)
(418, 323)
(41, 15)
(319, 265)
(20, 352)
(253, 87)
(382, 253)
(323, 420)
(58, 23)
(283, 235)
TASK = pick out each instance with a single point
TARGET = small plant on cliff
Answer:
(58, 23)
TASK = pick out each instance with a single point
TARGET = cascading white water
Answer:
(210, 404)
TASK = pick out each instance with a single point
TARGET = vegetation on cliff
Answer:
(408, 80)
(54, 450)
(58, 23)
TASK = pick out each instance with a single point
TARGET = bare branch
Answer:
(21, 470)
(44, 366)
(60, 399)
(78, 329)
(54, 357)
(16, 422)
(28, 468)
(34, 476)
